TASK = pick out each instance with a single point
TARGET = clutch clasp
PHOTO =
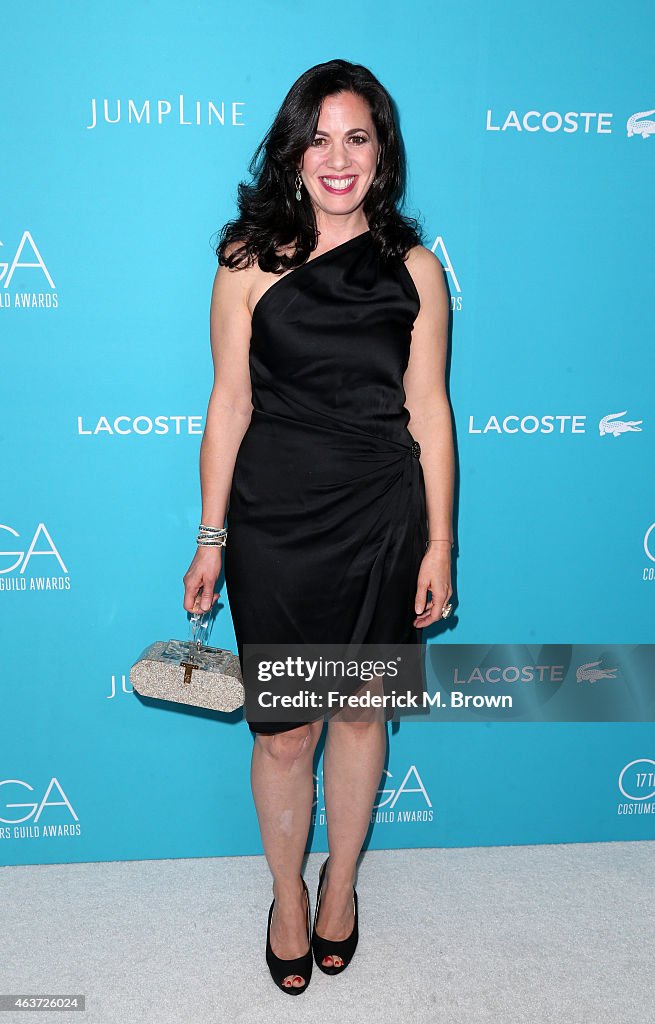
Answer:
(188, 667)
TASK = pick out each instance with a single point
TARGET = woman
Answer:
(328, 332)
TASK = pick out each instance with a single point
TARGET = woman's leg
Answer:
(283, 789)
(353, 761)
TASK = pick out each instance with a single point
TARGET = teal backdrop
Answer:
(125, 130)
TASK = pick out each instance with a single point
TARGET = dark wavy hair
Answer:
(269, 214)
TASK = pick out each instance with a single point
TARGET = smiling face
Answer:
(340, 164)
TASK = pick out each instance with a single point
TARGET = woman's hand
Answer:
(200, 579)
(434, 575)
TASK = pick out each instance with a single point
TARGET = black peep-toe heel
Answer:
(343, 948)
(301, 965)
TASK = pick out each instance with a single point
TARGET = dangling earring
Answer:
(298, 185)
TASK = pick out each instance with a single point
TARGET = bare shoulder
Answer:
(232, 285)
(421, 256)
(426, 270)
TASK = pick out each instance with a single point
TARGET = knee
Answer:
(363, 719)
(291, 745)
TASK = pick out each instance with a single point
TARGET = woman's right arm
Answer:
(228, 416)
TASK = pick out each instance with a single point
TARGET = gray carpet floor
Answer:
(561, 934)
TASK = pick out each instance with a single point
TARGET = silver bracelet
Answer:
(211, 536)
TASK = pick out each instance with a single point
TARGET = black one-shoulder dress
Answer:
(326, 518)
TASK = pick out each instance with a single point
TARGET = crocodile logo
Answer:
(639, 124)
(592, 674)
(611, 425)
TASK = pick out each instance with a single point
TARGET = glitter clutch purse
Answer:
(190, 672)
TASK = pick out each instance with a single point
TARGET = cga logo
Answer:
(27, 257)
(15, 812)
(449, 269)
(637, 784)
(22, 560)
(392, 796)
(406, 803)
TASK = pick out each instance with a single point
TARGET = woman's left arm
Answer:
(430, 424)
